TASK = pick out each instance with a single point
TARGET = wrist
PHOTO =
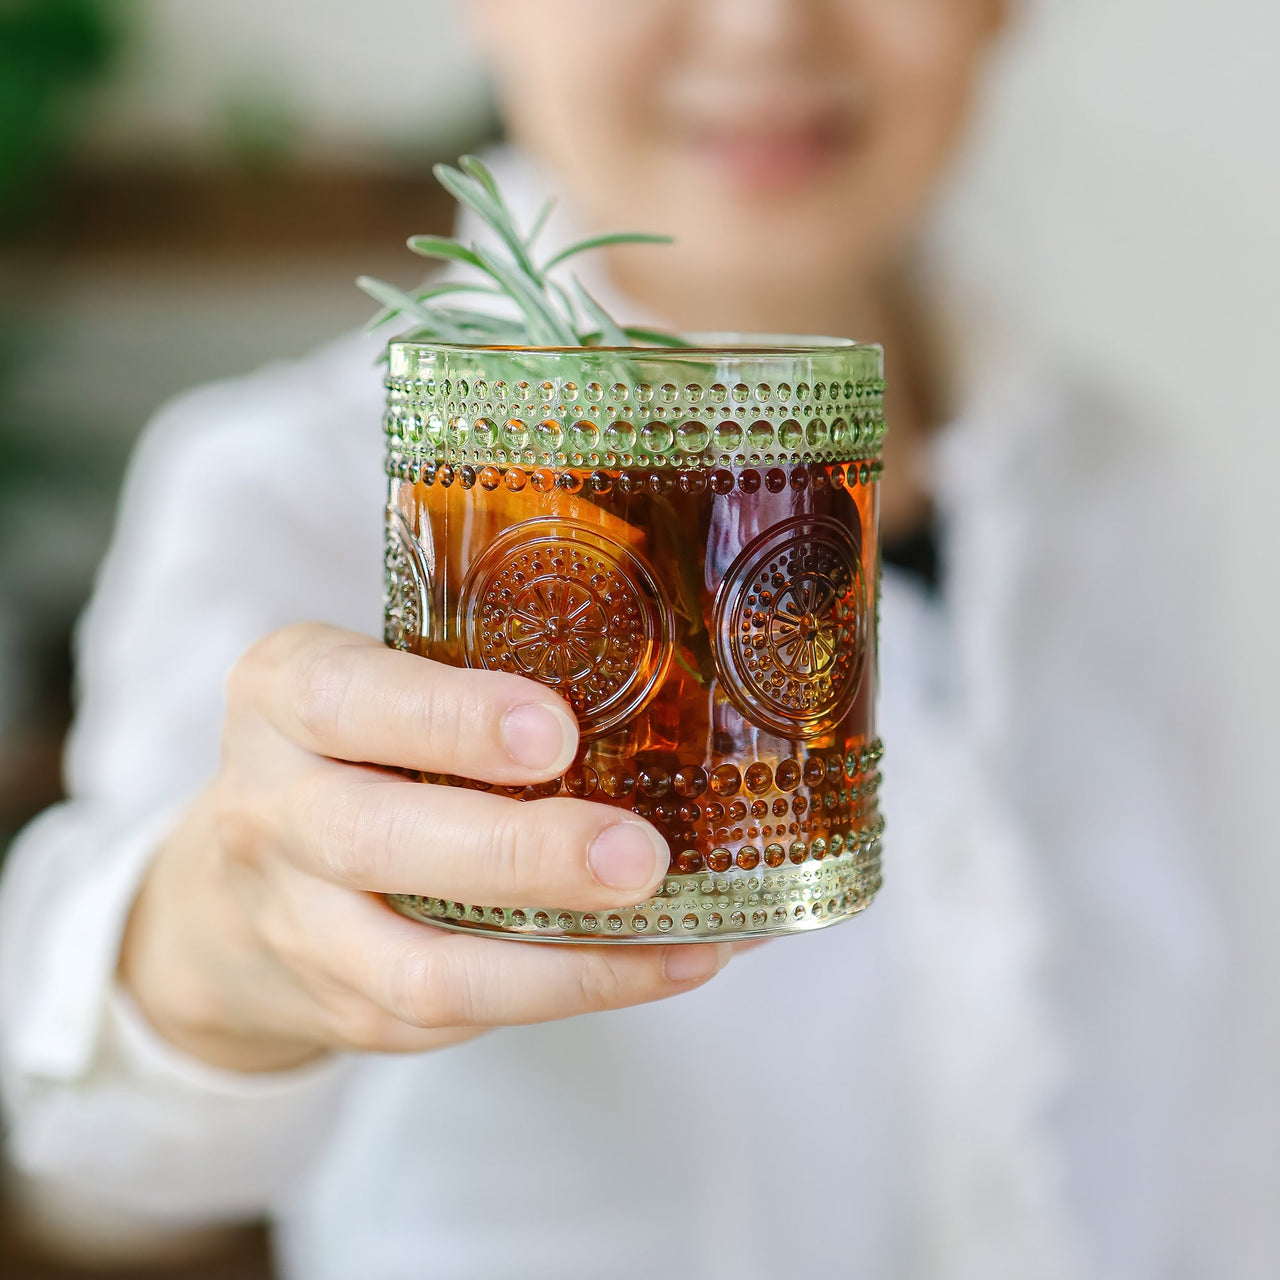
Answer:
(190, 964)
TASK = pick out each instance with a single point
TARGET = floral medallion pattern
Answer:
(791, 626)
(562, 603)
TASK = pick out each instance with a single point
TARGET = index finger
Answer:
(344, 695)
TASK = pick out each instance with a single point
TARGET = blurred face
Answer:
(790, 145)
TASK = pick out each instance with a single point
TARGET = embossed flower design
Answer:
(557, 630)
(805, 626)
(790, 633)
(571, 607)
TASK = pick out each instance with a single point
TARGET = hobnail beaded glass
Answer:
(683, 544)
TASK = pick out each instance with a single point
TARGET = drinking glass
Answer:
(683, 544)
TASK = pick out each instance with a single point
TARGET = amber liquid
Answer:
(712, 628)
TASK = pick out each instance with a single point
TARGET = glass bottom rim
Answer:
(808, 925)
(795, 900)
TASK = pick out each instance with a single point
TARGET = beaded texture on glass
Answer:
(786, 844)
(763, 884)
(446, 411)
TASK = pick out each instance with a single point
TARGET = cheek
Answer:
(919, 37)
(920, 59)
(582, 94)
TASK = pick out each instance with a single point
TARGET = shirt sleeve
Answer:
(249, 505)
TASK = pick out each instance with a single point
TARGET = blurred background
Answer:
(188, 187)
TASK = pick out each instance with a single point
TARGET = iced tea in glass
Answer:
(683, 544)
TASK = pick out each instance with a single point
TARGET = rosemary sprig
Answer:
(549, 313)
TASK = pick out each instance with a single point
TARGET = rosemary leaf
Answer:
(546, 325)
(499, 329)
(421, 295)
(610, 334)
(481, 172)
(473, 193)
(549, 315)
(600, 242)
(654, 337)
(395, 301)
(442, 247)
(538, 223)
(566, 301)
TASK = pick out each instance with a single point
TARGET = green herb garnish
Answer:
(550, 314)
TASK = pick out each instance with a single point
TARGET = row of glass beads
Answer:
(787, 885)
(618, 779)
(689, 480)
(663, 444)
(857, 885)
(820, 828)
(774, 855)
(639, 923)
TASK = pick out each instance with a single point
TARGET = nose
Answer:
(767, 28)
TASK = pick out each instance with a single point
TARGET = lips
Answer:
(771, 159)
(770, 141)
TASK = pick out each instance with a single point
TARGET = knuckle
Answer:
(467, 992)
(420, 993)
(395, 834)
(292, 944)
(245, 679)
(241, 832)
(440, 705)
(359, 830)
(523, 851)
(506, 848)
(342, 829)
(321, 688)
(462, 710)
(599, 985)
(362, 1026)
(264, 656)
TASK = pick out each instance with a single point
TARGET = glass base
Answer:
(688, 908)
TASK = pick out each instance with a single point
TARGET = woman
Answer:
(997, 1071)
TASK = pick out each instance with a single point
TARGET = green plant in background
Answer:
(548, 313)
(49, 51)
(260, 124)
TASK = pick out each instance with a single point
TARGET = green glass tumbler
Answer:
(683, 543)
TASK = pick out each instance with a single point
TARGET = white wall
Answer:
(1124, 193)
(1129, 179)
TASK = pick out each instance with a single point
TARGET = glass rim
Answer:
(635, 406)
(724, 344)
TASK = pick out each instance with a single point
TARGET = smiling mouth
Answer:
(767, 157)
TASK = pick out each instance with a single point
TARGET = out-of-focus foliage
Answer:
(260, 125)
(49, 51)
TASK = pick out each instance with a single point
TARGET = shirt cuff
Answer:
(75, 920)
(141, 1053)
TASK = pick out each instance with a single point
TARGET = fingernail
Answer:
(539, 737)
(696, 963)
(628, 855)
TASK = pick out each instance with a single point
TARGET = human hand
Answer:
(260, 938)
